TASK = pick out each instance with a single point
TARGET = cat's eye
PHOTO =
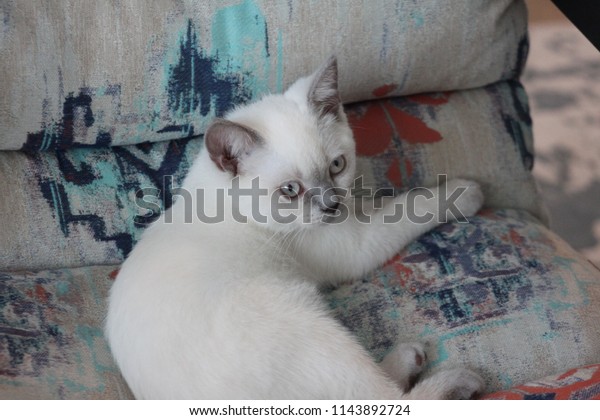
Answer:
(292, 189)
(337, 165)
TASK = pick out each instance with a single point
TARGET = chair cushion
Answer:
(576, 384)
(52, 342)
(78, 207)
(501, 294)
(75, 73)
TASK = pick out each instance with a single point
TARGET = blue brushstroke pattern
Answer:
(195, 82)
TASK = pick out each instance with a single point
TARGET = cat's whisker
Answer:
(289, 242)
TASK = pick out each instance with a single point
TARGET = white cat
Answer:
(231, 310)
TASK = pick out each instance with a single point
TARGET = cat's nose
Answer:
(331, 208)
(331, 200)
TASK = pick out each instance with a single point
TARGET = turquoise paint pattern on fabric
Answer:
(185, 83)
(240, 38)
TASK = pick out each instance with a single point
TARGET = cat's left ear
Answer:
(323, 94)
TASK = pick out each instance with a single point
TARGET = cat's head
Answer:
(296, 147)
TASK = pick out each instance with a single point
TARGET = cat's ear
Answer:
(323, 93)
(227, 142)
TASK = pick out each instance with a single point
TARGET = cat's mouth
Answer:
(328, 219)
(328, 215)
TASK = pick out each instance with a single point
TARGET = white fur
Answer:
(232, 310)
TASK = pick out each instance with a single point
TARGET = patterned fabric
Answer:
(501, 294)
(82, 73)
(79, 206)
(576, 384)
(95, 73)
(51, 336)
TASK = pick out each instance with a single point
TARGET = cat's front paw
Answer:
(464, 199)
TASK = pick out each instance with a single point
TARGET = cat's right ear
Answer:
(323, 93)
(227, 142)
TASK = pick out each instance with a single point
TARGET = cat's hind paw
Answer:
(453, 384)
(405, 363)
